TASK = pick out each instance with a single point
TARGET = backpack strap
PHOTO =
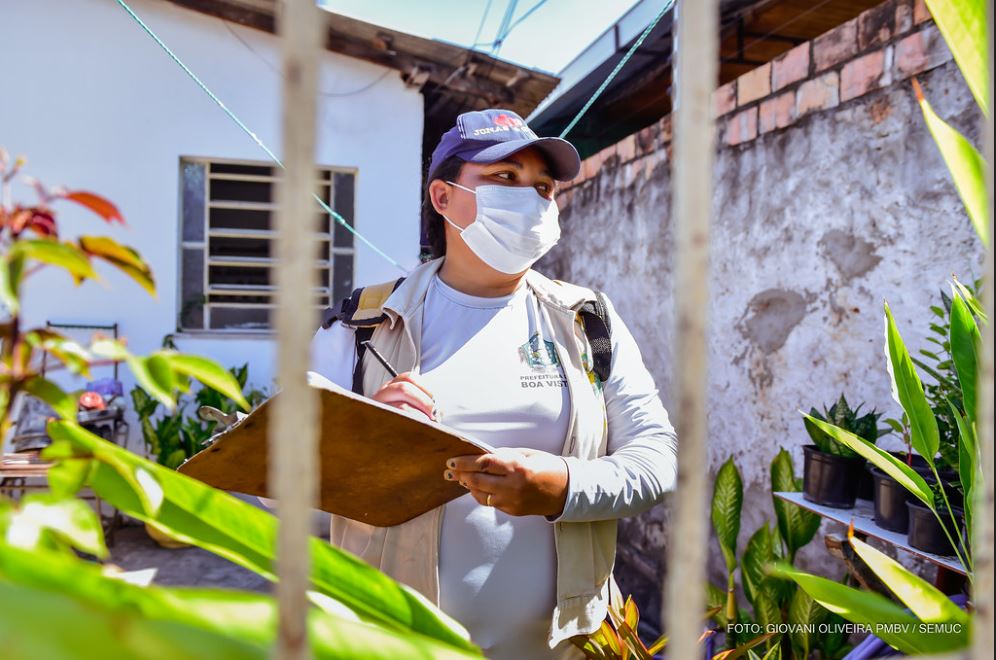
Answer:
(594, 314)
(598, 328)
(363, 311)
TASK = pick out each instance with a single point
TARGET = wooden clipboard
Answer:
(379, 465)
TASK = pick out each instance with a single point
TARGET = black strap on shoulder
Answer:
(343, 312)
(598, 329)
(363, 333)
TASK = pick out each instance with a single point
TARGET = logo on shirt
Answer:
(541, 356)
(538, 353)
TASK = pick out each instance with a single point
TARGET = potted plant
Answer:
(925, 530)
(832, 471)
(890, 496)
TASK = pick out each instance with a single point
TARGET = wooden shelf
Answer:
(863, 517)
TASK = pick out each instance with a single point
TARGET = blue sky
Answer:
(548, 39)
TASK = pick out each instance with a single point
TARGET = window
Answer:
(227, 254)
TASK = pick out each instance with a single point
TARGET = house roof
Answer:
(751, 33)
(452, 78)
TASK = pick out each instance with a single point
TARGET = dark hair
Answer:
(435, 231)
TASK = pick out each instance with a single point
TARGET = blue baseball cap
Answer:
(488, 136)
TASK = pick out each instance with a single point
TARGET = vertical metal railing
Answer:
(294, 427)
(982, 553)
(696, 62)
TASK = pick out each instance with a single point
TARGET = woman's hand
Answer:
(521, 482)
(406, 393)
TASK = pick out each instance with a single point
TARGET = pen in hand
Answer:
(394, 372)
(380, 358)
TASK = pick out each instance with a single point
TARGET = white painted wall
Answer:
(95, 104)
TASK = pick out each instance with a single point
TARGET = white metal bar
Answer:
(294, 425)
(259, 233)
(982, 553)
(696, 73)
(324, 176)
(236, 205)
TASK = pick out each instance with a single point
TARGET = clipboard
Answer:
(380, 465)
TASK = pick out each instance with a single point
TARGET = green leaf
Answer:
(727, 500)
(333, 630)
(965, 343)
(968, 464)
(68, 441)
(68, 476)
(907, 390)
(62, 403)
(122, 257)
(757, 555)
(884, 461)
(716, 600)
(208, 372)
(11, 273)
(872, 609)
(923, 599)
(195, 513)
(963, 25)
(26, 626)
(65, 350)
(804, 614)
(971, 299)
(796, 526)
(56, 253)
(111, 349)
(766, 605)
(71, 520)
(966, 165)
(151, 376)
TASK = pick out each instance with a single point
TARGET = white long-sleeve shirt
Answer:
(640, 463)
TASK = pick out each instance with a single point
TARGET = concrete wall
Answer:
(94, 104)
(815, 224)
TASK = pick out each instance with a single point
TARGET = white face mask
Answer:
(514, 227)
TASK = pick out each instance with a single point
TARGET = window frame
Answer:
(325, 292)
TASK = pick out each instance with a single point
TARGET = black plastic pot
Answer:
(866, 484)
(829, 479)
(926, 533)
(890, 503)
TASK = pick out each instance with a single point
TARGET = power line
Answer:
(480, 26)
(505, 20)
(277, 72)
(502, 35)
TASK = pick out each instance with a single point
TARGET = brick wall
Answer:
(885, 45)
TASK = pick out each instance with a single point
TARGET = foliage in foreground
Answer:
(54, 602)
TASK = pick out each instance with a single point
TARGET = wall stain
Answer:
(853, 256)
(770, 317)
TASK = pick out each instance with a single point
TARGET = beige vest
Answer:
(409, 552)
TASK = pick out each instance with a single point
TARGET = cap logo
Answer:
(502, 123)
(505, 120)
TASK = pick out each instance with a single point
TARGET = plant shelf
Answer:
(863, 517)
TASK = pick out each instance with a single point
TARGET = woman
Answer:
(524, 558)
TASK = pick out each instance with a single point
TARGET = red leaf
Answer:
(42, 222)
(97, 204)
(36, 218)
